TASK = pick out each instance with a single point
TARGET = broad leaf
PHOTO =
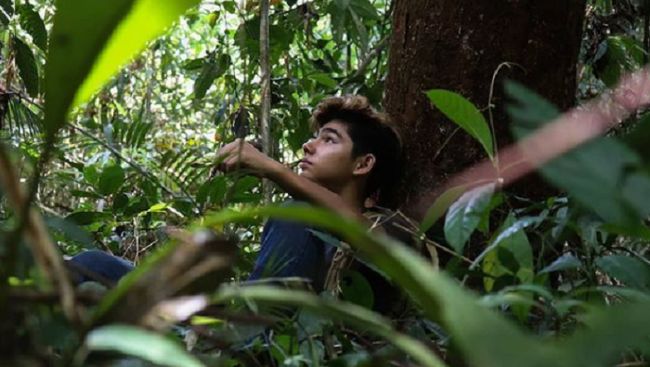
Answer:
(364, 9)
(608, 332)
(347, 312)
(512, 241)
(31, 22)
(356, 289)
(564, 262)
(6, 11)
(440, 206)
(603, 175)
(465, 215)
(211, 70)
(91, 40)
(464, 114)
(621, 54)
(629, 270)
(84, 218)
(484, 337)
(27, 67)
(111, 180)
(132, 341)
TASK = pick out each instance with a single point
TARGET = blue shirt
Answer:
(291, 249)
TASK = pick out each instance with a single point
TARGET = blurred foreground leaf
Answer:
(132, 341)
(91, 40)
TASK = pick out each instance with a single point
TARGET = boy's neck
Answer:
(352, 196)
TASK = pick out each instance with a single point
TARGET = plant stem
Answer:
(265, 105)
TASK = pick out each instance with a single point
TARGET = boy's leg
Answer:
(100, 263)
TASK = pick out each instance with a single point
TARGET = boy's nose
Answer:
(308, 147)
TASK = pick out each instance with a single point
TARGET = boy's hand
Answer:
(240, 154)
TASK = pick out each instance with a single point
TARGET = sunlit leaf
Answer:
(91, 40)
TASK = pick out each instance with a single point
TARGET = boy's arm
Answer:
(243, 155)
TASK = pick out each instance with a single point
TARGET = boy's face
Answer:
(328, 156)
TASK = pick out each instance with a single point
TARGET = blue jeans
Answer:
(289, 249)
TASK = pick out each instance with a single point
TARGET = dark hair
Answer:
(371, 132)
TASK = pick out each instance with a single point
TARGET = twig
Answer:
(134, 165)
(379, 47)
(491, 106)
(43, 249)
(265, 84)
(49, 297)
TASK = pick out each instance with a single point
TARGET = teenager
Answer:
(354, 155)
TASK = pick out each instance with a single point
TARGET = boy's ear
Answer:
(364, 164)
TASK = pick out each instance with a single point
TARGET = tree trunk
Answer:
(458, 45)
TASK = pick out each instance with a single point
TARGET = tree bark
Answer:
(458, 45)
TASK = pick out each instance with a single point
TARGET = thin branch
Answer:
(265, 108)
(43, 249)
(119, 155)
(379, 47)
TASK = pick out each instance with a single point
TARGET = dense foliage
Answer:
(111, 127)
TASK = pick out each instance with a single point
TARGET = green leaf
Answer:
(91, 40)
(27, 67)
(510, 228)
(603, 175)
(6, 11)
(484, 337)
(323, 79)
(512, 240)
(465, 215)
(529, 111)
(594, 175)
(111, 180)
(211, 70)
(140, 343)
(440, 206)
(70, 231)
(32, 23)
(629, 270)
(84, 218)
(364, 9)
(564, 262)
(607, 333)
(91, 174)
(464, 114)
(350, 313)
(193, 64)
(356, 289)
(621, 54)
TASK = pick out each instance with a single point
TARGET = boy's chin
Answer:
(305, 174)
